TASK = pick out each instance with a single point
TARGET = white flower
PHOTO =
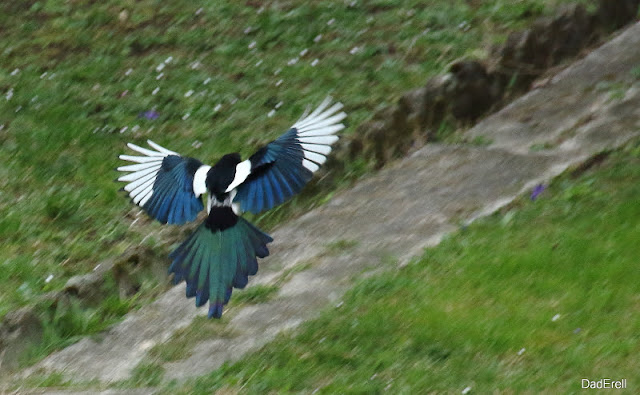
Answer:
(48, 279)
(15, 72)
(314, 63)
(271, 113)
(159, 76)
(155, 91)
(128, 72)
(188, 93)
(252, 44)
(9, 94)
(168, 60)
(279, 105)
(331, 21)
(160, 67)
(293, 61)
(522, 350)
(279, 83)
(185, 116)
(354, 50)
(555, 318)
(466, 390)
(304, 52)
(217, 107)
(124, 129)
(317, 38)
(205, 82)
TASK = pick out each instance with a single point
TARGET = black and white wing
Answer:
(162, 183)
(281, 168)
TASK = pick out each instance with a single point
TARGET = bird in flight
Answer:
(222, 252)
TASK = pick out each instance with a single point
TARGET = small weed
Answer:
(41, 380)
(256, 294)
(179, 346)
(145, 375)
(541, 146)
(340, 246)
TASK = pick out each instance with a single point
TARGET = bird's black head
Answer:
(221, 175)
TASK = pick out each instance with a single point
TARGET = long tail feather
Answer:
(213, 262)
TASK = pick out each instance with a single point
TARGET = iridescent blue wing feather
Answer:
(161, 182)
(283, 167)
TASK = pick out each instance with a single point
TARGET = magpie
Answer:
(222, 252)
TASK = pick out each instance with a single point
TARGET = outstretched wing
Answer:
(161, 182)
(282, 168)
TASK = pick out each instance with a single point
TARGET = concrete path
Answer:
(396, 213)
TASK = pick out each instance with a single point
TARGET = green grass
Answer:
(533, 298)
(75, 78)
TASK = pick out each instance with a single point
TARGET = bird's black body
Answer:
(220, 176)
(221, 218)
(222, 252)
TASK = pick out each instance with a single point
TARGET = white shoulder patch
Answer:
(243, 169)
(199, 180)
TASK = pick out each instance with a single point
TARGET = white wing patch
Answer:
(316, 133)
(143, 175)
(199, 180)
(243, 169)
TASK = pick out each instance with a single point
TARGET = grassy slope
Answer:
(532, 298)
(76, 75)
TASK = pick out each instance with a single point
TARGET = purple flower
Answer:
(151, 114)
(537, 191)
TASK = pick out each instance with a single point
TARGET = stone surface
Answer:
(19, 330)
(471, 89)
(591, 106)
